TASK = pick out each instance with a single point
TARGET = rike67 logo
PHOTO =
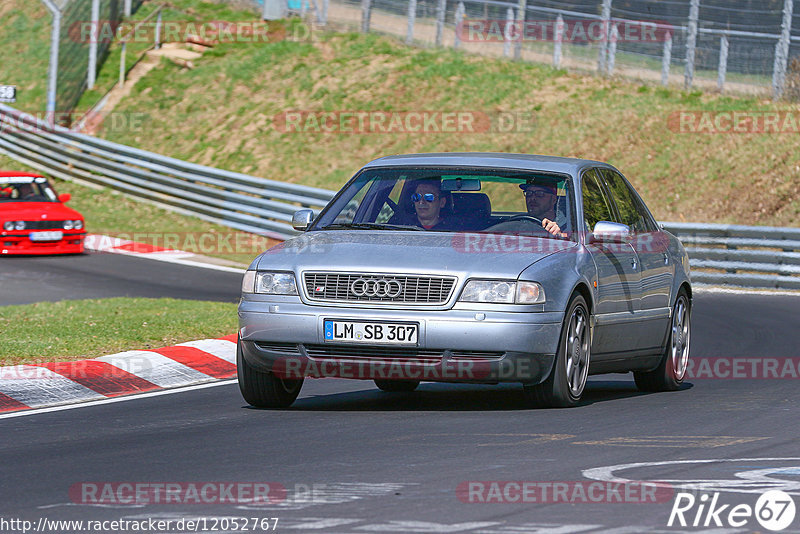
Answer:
(773, 510)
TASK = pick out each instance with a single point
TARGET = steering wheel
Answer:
(524, 217)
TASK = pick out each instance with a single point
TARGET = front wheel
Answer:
(264, 389)
(669, 374)
(567, 380)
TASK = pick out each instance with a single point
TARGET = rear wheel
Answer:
(264, 389)
(669, 374)
(396, 386)
(565, 385)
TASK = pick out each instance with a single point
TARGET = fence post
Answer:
(558, 38)
(666, 58)
(782, 51)
(460, 10)
(612, 50)
(274, 10)
(127, 8)
(95, 35)
(508, 30)
(520, 30)
(157, 42)
(323, 15)
(723, 62)
(441, 6)
(412, 15)
(691, 44)
(366, 13)
(122, 63)
(605, 15)
(52, 72)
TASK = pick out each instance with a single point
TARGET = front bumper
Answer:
(20, 243)
(458, 345)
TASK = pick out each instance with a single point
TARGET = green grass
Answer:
(25, 45)
(78, 329)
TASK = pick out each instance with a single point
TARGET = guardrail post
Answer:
(441, 6)
(412, 15)
(612, 50)
(366, 13)
(558, 38)
(460, 10)
(95, 35)
(691, 44)
(782, 51)
(520, 29)
(605, 16)
(508, 30)
(723, 62)
(666, 58)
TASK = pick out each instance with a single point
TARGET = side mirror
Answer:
(607, 231)
(301, 220)
(64, 197)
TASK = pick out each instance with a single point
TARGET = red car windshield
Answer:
(26, 189)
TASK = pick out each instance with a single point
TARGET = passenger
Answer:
(540, 201)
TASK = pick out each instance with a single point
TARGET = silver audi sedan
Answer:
(476, 268)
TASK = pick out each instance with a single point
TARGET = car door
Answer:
(618, 291)
(650, 244)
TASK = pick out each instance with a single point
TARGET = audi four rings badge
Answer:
(376, 287)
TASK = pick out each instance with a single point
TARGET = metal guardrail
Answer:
(747, 256)
(229, 198)
(720, 254)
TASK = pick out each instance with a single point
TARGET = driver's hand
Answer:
(553, 228)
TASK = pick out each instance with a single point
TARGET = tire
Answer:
(567, 380)
(264, 389)
(397, 386)
(669, 374)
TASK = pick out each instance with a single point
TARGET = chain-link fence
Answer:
(744, 46)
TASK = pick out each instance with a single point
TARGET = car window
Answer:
(631, 211)
(26, 189)
(596, 206)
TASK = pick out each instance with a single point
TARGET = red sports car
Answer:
(34, 218)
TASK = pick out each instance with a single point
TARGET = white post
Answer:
(507, 32)
(603, 52)
(95, 35)
(441, 6)
(612, 50)
(122, 63)
(691, 44)
(782, 51)
(723, 62)
(666, 58)
(558, 38)
(158, 31)
(323, 18)
(412, 15)
(366, 8)
(520, 29)
(127, 8)
(52, 74)
(460, 10)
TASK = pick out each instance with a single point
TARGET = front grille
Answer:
(412, 289)
(393, 354)
(44, 225)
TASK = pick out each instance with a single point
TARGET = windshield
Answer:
(26, 189)
(453, 200)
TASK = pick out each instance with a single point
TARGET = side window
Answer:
(595, 204)
(631, 212)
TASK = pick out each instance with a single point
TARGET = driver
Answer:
(428, 203)
(25, 191)
(540, 200)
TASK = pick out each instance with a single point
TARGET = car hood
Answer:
(33, 211)
(460, 254)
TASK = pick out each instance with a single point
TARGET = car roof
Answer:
(531, 162)
(15, 174)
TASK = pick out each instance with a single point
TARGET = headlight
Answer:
(503, 292)
(19, 225)
(8, 225)
(67, 225)
(77, 224)
(275, 283)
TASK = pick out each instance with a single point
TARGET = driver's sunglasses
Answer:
(427, 197)
(538, 193)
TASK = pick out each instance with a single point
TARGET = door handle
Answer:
(666, 258)
(633, 263)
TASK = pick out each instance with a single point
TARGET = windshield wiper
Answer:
(371, 226)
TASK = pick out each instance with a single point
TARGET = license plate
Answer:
(47, 236)
(371, 332)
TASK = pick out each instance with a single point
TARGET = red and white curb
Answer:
(24, 387)
(116, 245)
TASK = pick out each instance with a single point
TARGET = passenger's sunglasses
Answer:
(427, 197)
(538, 193)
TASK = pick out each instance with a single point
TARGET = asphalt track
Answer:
(355, 460)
